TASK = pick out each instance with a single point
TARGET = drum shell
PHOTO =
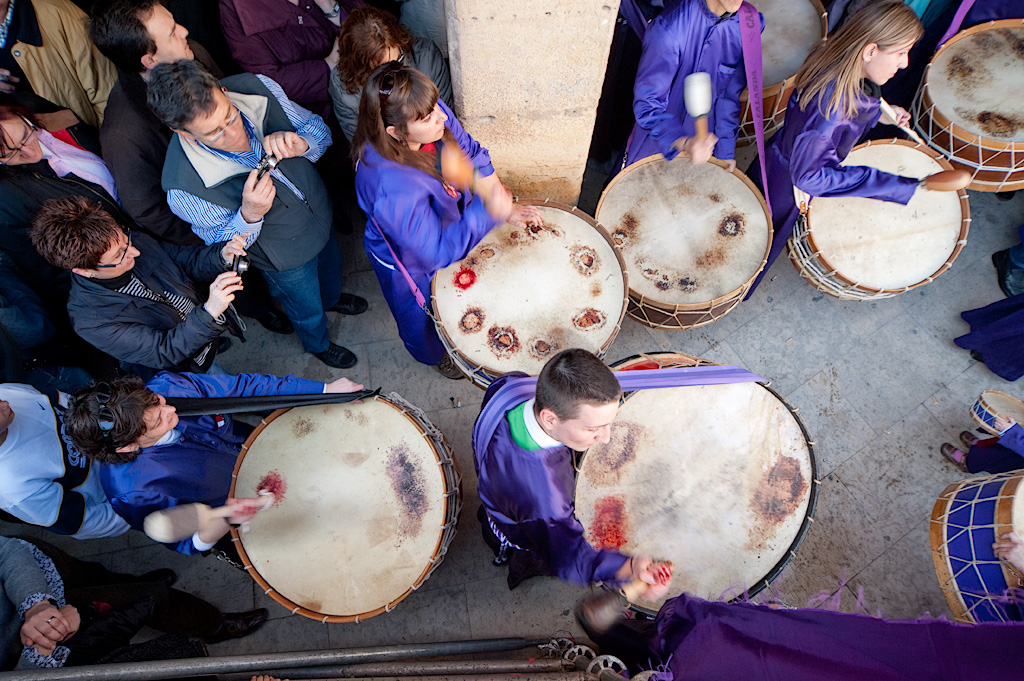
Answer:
(995, 166)
(984, 413)
(971, 574)
(815, 268)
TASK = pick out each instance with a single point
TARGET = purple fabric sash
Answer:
(634, 17)
(515, 391)
(750, 37)
(958, 20)
(417, 294)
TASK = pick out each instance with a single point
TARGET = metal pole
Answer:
(434, 668)
(167, 669)
(556, 676)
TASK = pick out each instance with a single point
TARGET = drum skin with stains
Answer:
(727, 499)
(524, 294)
(367, 500)
(969, 106)
(693, 238)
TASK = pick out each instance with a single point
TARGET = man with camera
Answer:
(241, 163)
(134, 299)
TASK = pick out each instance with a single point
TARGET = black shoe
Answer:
(1001, 260)
(976, 356)
(165, 576)
(1005, 196)
(237, 625)
(275, 322)
(337, 357)
(224, 344)
(350, 304)
(446, 367)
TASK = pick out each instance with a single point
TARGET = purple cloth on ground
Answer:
(808, 153)
(728, 641)
(685, 39)
(997, 332)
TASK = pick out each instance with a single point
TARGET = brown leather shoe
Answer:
(968, 438)
(237, 625)
(949, 451)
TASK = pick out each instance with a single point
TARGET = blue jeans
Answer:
(1017, 252)
(306, 291)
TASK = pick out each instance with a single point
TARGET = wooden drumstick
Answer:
(180, 522)
(888, 111)
(456, 168)
(697, 96)
(947, 180)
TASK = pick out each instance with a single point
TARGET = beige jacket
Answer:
(66, 69)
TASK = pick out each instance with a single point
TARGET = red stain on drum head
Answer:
(608, 531)
(589, 319)
(503, 341)
(732, 225)
(618, 453)
(273, 482)
(626, 231)
(464, 278)
(585, 259)
(780, 490)
(472, 321)
(407, 484)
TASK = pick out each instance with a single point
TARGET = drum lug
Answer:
(606, 662)
(578, 651)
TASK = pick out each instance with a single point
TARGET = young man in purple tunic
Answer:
(691, 36)
(527, 478)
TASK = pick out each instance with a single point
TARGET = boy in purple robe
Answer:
(691, 36)
(527, 478)
(989, 455)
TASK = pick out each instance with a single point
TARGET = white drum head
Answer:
(689, 234)
(792, 28)
(361, 508)
(522, 295)
(1004, 405)
(723, 497)
(977, 81)
(884, 245)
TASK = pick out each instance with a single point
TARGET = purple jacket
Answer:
(275, 38)
(685, 39)
(428, 227)
(808, 153)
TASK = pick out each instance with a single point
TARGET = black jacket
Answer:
(148, 332)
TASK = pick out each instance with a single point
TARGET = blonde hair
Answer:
(836, 61)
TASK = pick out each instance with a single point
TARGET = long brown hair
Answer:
(836, 61)
(364, 39)
(412, 98)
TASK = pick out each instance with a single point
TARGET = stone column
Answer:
(527, 76)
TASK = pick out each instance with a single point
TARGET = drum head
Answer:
(792, 28)
(360, 507)
(522, 295)
(884, 245)
(1004, 405)
(688, 234)
(717, 479)
(976, 80)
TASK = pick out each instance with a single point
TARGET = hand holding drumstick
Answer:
(650, 581)
(1011, 549)
(697, 97)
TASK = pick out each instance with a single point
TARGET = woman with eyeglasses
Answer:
(368, 38)
(415, 219)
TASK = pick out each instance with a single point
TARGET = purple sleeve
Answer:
(561, 543)
(1013, 439)
(243, 385)
(816, 169)
(477, 153)
(655, 76)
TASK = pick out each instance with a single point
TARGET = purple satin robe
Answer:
(427, 227)
(529, 495)
(997, 332)
(728, 641)
(807, 153)
(1002, 456)
(685, 39)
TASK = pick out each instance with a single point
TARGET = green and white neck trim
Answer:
(526, 431)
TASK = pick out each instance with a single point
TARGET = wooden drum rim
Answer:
(293, 607)
(493, 373)
(965, 222)
(735, 295)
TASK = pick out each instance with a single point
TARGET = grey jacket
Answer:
(425, 57)
(20, 579)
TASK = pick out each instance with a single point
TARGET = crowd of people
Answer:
(150, 205)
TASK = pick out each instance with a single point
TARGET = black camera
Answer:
(239, 264)
(266, 164)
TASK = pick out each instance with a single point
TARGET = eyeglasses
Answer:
(128, 232)
(213, 140)
(29, 131)
(105, 416)
(387, 81)
(401, 56)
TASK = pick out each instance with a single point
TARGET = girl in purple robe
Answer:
(427, 223)
(691, 36)
(835, 102)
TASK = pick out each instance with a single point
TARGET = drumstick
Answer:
(605, 610)
(456, 168)
(947, 180)
(180, 522)
(697, 96)
(887, 110)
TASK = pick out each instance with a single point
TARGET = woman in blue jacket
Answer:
(428, 223)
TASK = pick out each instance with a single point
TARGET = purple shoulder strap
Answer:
(515, 391)
(634, 17)
(958, 20)
(420, 300)
(750, 37)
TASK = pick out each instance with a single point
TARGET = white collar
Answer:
(534, 429)
(169, 438)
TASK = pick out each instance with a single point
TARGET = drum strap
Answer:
(515, 391)
(417, 294)
(958, 20)
(750, 37)
(634, 17)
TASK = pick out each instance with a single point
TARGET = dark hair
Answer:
(117, 29)
(181, 91)
(364, 39)
(11, 109)
(129, 400)
(413, 96)
(572, 378)
(73, 232)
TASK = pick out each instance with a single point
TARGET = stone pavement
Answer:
(879, 386)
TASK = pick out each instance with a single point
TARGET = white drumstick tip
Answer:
(697, 94)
